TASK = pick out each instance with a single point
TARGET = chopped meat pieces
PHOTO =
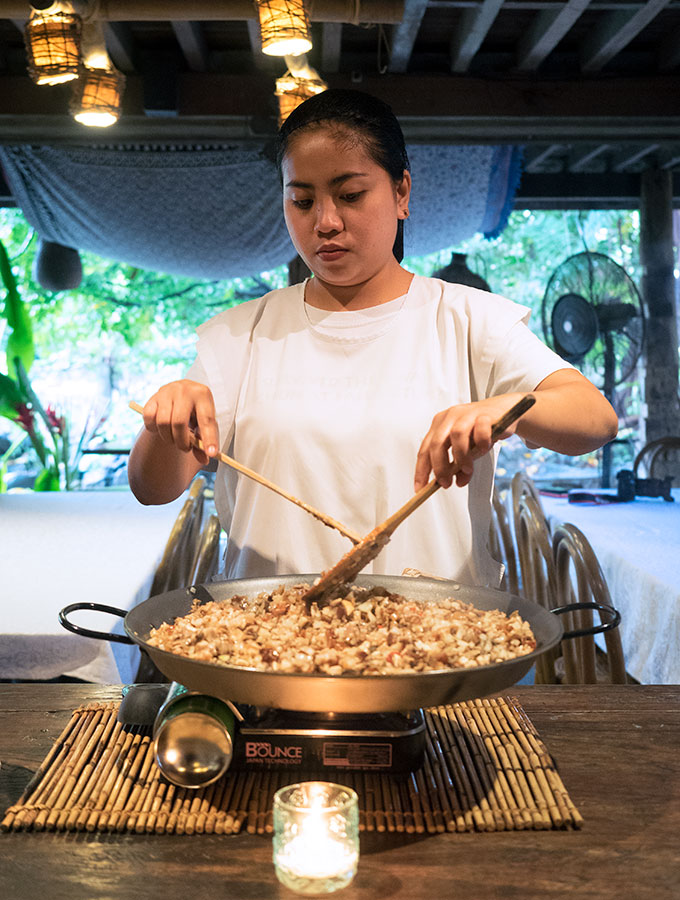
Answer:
(362, 631)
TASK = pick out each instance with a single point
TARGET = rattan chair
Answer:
(177, 563)
(502, 544)
(659, 458)
(182, 573)
(523, 485)
(207, 556)
(536, 563)
(579, 578)
(175, 568)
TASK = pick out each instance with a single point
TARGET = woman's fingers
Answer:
(457, 437)
(180, 409)
(206, 425)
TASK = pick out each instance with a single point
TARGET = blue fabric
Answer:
(215, 212)
(506, 171)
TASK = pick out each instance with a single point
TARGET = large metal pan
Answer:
(325, 693)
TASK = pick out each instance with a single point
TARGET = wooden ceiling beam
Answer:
(537, 158)
(444, 109)
(616, 31)
(627, 160)
(385, 12)
(331, 45)
(192, 43)
(581, 159)
(259, 58)
(475, 25)
(580, 191)
(545, 33)
(672, 162)
(404, 35)
(120, 46)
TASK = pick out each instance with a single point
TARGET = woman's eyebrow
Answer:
(339, 179)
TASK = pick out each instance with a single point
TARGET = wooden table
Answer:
(618, 751)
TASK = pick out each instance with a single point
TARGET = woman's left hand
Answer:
(457, 436)
(570, 416)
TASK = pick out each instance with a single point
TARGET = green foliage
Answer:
(20, 340)
(10, 397)
(519, 262)
(125, 330)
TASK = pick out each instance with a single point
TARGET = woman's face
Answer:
(340, 206)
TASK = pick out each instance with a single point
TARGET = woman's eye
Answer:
(302, 204)
(352, 197)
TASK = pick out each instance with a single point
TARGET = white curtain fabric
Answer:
(212, 213)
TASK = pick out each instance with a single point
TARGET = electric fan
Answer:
(592, 316)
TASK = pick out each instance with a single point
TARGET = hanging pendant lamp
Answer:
(98, 94)
(52, 39)
(292, 90)
(284, 27)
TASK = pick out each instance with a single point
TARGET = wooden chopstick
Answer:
(244, 470)
(390, 524)
(370, 546)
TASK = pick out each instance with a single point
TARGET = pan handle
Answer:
(88, 632)
(614, 620)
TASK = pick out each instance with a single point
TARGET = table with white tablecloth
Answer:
(67, 547)
(638, 547)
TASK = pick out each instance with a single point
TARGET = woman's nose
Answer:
(328, 217)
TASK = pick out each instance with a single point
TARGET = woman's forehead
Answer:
(333, 134)
(323, 150)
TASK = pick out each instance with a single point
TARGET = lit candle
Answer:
(316, 843)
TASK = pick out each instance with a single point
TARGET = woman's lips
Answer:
(330, 254)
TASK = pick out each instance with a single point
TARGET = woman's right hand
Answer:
(179, 410)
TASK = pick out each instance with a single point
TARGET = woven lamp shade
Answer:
(284, 27)
(53, 47)
(97, 97)
(292, 91)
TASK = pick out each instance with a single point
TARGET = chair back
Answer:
(175, 568)
(187, 553)
(659, 458)
(177, 564)
(579, 578)
(502, 544)
(207, 556)
(523, 485)
(534, 550)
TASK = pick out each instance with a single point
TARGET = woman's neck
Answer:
(381, 289)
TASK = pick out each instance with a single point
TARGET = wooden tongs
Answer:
(244, 470)
(369, 547)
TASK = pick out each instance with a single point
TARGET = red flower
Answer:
(56, 422)
(26, 418)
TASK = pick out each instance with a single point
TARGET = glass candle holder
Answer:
(316, 836)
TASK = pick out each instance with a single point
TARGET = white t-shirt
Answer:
(333, 406)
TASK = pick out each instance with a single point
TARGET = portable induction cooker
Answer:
(392, 742)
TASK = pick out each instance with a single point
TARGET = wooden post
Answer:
(658, 294)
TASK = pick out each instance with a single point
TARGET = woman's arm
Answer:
(163, 459)
(570, 416)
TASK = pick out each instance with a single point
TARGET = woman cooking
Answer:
(352, 389)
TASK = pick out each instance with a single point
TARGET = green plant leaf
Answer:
(47, 480)
(4, 460)
(20, 342)
(10, 397)
(29, 393)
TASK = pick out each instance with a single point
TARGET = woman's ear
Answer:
(403, 195)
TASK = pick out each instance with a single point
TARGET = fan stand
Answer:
(608, 391)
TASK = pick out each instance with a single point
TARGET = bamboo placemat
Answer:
(485, 769)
